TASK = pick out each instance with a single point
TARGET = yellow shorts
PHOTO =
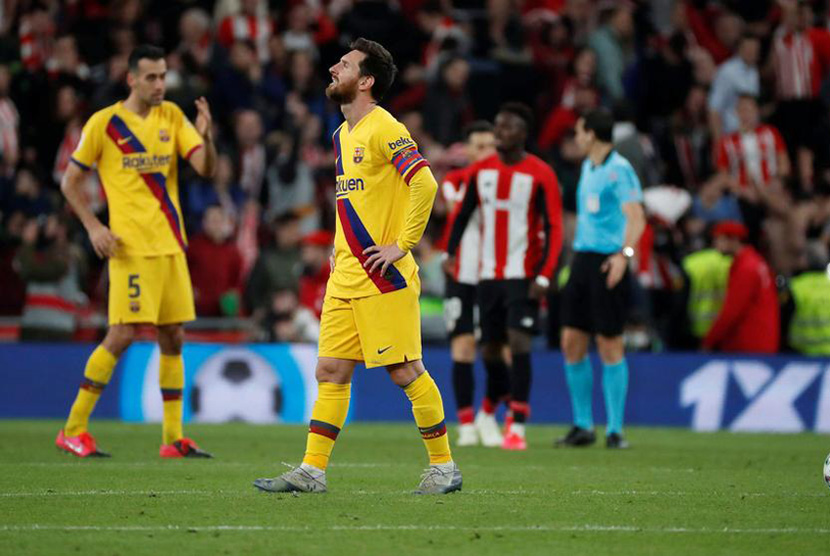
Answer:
(153, 290)
(379, 330)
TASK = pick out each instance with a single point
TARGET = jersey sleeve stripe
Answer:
(422, 164)
(359, 239)
(191, 151)
(79, 163)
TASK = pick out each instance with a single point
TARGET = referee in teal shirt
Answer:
(609, 223)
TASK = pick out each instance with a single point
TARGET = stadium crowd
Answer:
(721, 107)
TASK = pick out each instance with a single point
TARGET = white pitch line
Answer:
(245, 492)
(588, 528)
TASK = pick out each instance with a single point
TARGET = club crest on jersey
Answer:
(164, 136)
(358, 154)
(135, 306)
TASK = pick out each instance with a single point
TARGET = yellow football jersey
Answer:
(375, 162)
(137, 161)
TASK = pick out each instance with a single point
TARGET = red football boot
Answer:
(183, 448)
(83, 445)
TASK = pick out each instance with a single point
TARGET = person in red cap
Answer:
(314, 254)
(749, 319)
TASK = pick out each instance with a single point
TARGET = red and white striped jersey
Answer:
(521, 218)
(467, 259)
(241, 27)
(801, 62)
(751, 156)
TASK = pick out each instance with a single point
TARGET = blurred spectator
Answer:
(447, 107)
(9, 124)
(278, 267)
(53, 271)
(29, 197)
(248, 24)
(633, 145)
(806, 314)
(685, 145)
(287, 321)
(315, 253)
(290, 174)
(12, 287)
(801, 59)
(37, 34)
(611, 44)
(215, 267)
(753, 162)
(736, 76)
(224, 192)
(307, 28)
(250, 153)
(565, 116)
(672, 68)
(749, 319)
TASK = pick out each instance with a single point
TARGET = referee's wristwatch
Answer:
(627, 252)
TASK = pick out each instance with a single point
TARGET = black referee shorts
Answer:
(506, 304)
(459, 308)
(588, 304)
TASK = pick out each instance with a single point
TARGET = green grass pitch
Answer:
(675, 492)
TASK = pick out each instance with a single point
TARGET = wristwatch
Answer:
(627, 251)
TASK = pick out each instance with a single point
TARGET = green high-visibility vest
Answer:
(810, 326)
(708, 272)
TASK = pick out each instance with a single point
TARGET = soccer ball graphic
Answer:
(827, 471)
(236, 385)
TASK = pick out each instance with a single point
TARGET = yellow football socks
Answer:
(428, 410)
(97, 374)
(171, 381)
(327, 418)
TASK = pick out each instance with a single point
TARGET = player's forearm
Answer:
(209, 162)
(422, 190)
(71, 187)
(635, 223)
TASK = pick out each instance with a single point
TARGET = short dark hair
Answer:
(478, 126)
(521, 110)
(378, 63)
(142, 52)
(601, 122)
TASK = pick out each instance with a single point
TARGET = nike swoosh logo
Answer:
(380, 351)
(124, 140)
(77, 448)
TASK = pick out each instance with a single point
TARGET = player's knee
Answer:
(333, 371)
(574, 346)
(519, 342)
(491, 352)
(611, 350)
(119, 337)
(464, 348)
(171, 339)
(404, 374)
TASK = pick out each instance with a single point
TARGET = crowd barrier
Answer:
(267, 383)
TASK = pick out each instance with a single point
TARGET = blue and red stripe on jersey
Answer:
(407, 162)
(338, 152)
(359, 239)
(128, 143)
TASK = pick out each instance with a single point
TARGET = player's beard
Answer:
(341, 93)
